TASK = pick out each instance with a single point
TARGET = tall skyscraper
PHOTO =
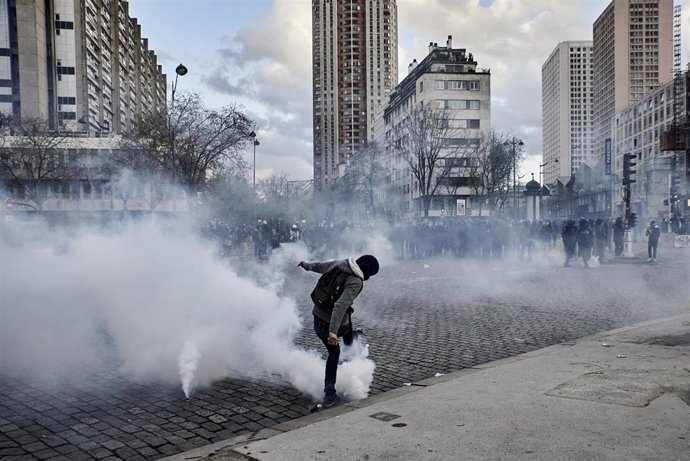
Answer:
(81, 64)
(355, 65)
(632, 55)
(566, 98)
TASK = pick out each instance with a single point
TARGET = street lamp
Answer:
(255, 142)
(515, 144)
(179, 71)
(543, 190)
(542, 165)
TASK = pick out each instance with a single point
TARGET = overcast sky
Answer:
(257, 53)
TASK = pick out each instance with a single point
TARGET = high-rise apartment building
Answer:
(632, 55)
(566, 98)
(355, 65)
(81, 64)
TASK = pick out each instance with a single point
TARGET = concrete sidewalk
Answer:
(619, 395)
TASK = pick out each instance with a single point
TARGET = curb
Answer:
(225, 449)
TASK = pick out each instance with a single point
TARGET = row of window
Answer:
(456, 162)
(64, 25)
(64, 70)
(67, 115)
(461, 142)
(70, 100)
(75, 190)
(461, 104)
(457, 181)
(457, 85)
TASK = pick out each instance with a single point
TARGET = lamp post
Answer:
(543, 190)
(542, 165)
(180, 70)
(255, 142)
(515, 144)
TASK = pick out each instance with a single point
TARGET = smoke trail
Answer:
(357, 371)
(160, 303)
(187, 365)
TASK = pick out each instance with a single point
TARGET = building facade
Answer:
(355, 65)
(641, 129)
(449, 79)
(632, 55)
(81, 64)
(566, 97)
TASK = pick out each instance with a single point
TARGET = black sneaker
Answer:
(330, 400)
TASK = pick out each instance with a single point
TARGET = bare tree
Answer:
(424, 138)
(189, 142)
(366, 171)
(207, 139)
(34, 161)
(492, 163)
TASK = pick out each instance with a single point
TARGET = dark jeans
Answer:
(321, 329)
(651, 249)
(619, 247)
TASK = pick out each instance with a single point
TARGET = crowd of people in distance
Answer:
(465, 237)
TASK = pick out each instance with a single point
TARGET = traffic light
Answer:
(633, 219)
(627, 169)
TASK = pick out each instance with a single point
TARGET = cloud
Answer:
(219, 83)
(269, 62)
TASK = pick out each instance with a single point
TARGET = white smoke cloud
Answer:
(163, 303)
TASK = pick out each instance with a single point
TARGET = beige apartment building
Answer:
(447, 78)
(632, 55)
(355, 65)
(566, 97)
(81, 64)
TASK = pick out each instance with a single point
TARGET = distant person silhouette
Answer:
(653, 232)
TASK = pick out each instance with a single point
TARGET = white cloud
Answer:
(269, 62)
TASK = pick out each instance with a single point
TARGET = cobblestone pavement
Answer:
(420, 317)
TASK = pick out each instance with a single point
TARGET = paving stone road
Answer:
(420, 318)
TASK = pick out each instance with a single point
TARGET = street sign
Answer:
(607, 155)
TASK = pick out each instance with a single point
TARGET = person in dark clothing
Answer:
(601, 238)
(585, 241)
(569, 236)
(618, 235)
(653, 232)
(331, 325)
